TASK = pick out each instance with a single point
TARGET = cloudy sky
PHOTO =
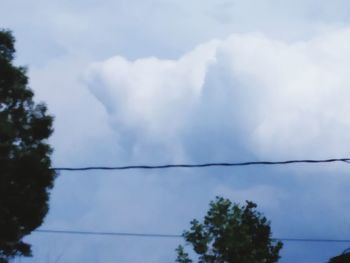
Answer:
(164, 81)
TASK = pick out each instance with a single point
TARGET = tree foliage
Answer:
(25, 173)
(344, 258)
(231, 234)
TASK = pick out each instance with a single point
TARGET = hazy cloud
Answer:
(277, 99)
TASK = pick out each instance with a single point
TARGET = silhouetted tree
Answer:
(231, 234)
(25, 174)
(344, 258)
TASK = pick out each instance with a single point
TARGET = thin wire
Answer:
(313, 240)
(166, 166)
(127, 234)
(94, 233)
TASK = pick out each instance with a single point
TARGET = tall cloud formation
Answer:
(246, 94)
(244, 98)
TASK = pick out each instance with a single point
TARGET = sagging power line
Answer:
(215, 164)
(155, 235)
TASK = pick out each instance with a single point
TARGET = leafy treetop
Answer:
(231, 234)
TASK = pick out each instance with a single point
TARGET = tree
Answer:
(25, 173)
(231, 234)
(343, 258)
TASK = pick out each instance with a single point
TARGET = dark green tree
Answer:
(231, 234)
(343, 258)
(25, 173)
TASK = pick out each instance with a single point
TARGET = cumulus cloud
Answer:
(150, 92)
(274, 99)
(248, 96)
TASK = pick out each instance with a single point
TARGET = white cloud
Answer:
(152, 94)
(278, 99)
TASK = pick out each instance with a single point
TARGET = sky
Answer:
(154, 82)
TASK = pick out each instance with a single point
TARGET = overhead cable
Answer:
(154, 235)
(96, 233)
(202, 165)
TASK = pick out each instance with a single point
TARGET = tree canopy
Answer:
(231, 234)
(25, 165)
(343, 258)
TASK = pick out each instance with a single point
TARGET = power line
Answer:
(153, 235)
(312, 240)
(222, 164)
(94, 233)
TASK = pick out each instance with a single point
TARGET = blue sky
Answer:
(153, 82)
